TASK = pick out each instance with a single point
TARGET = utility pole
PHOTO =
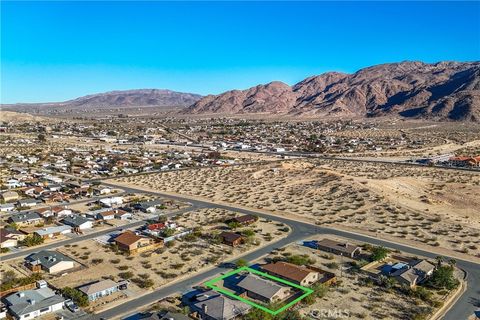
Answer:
(341, 265)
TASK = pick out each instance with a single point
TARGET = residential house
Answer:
(14, 183)
(102, 288)
(149, 206)
(33, 191)
(9, 237)
(53, 232)
(49, 261)
(29, 304)
(9, 196)
(244, 220)
(464, 161)
(122, 214)
(109, 202)
(101, 190)
(212, 305)
(412, 273)
(106, 215)
(52, 197)
(61, 211)
(132, 243)
(340, 248)
(155, 229)
(44, 212)
(232, 239)
(293, 273)
(77, 222)
(25, 219)
(27, 203)
(263, 290)
(7, 207)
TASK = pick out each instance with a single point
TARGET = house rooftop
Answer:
(75, 220)
(230, 236)
(98, 286)
(51, 230)
(220, 307)
(128, 238)
(23, 217)
(265, 288)
(339, 246)
(24, 302)
(47, 258)
(288, 270)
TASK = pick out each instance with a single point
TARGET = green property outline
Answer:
(210, 284)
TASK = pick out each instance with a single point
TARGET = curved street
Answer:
(462, 309)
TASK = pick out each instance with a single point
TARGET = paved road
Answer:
(465, 306)
(323, 156)
(57, 244)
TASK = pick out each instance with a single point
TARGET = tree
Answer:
(241, 263)
(248, 233)
(439, 260)
(290, 315)
(443, 278)
(256, 314)
(452, 262)
(77, 296)
(168, 232)
(300, 260)
(379, 253)
(162, 219)
(32, 240)
(234, 225)
(41, 137)
(386, 282)
(13, 225)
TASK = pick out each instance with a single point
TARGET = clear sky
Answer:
(53, 51)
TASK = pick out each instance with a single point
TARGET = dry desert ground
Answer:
(426, 207)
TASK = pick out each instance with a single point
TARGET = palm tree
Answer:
(439, 260)
(452, 262)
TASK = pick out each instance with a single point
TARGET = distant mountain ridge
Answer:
(116, 99)
(443, 90)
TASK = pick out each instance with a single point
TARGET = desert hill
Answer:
(444, 90)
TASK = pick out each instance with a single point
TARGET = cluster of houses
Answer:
(42, 300)
(204, 304)
(449, 159)
(310, 136)
(93, 162)
(28, 189)
(56, 221)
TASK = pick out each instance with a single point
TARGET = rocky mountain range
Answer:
(444, 90)
(113, 99)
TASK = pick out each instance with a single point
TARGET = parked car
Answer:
(72, 306)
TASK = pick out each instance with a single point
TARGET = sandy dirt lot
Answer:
(432, 207)
(353, 295)
(167, 264)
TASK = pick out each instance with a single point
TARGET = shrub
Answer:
(379, 253)
(126, 275)
(77, 296)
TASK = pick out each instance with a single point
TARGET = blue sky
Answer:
(53, 51)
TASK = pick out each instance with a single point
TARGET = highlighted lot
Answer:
(211, 284)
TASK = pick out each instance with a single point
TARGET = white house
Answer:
(7, 207)
(78, 222)
(49, 261)
(29, 304)
(52, 232)
(108, 202)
